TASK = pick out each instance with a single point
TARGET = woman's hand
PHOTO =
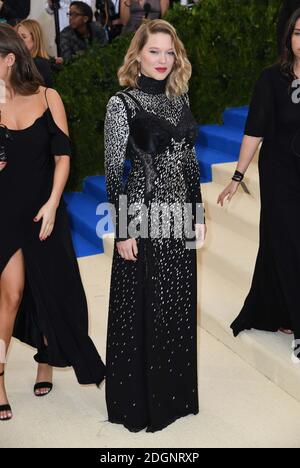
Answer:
(48, 214)
(128, 249)
(201, 231)
(228, 192)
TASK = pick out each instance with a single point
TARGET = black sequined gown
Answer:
(152, 328)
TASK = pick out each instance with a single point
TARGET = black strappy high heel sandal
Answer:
(5, 407)
(38, 386)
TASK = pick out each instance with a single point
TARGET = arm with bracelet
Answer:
(258, 126)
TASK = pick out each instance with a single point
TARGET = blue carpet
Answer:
(216, 144)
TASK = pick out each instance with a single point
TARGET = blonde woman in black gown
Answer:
(152, 326)
(42, 301)
(273, 302)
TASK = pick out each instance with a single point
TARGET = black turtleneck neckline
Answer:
(152, 86)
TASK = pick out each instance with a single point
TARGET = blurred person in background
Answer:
(30, 31)
(13, 11)
(82, 31)
(108, 14)
(133, 12)
(64, 6)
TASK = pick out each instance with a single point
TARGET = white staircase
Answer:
(226, 266)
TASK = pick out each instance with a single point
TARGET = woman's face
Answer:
(76, 18)
(27, 37)
(157, 56)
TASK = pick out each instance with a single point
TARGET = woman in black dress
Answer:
(152, 326)
(273, 302)
(42, 301)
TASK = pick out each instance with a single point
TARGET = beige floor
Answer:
(239, 407)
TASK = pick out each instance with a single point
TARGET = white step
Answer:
(220, 301)
(220, 298)
(232, 255)
(108, 244)
(222, 174)
(241, 215)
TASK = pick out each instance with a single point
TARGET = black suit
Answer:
(15, 9)
(287, 9)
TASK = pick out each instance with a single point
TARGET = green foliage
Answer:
(228, 43)
(85, 85)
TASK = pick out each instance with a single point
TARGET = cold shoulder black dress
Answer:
(152, 325)
(54, 303)
(274, 298)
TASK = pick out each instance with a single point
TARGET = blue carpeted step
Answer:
(236, 117)
(216, 144)
(204, 180)
(95, 186)
(207, 157)
(221, 138)
(84, 219)
(83, 248)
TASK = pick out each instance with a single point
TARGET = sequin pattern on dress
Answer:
(152, 326)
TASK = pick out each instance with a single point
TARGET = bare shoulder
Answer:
(53, 97)
(57, 109)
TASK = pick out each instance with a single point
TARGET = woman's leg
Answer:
(11, 292)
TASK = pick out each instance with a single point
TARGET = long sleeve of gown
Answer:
(116, 133)
(192, 176)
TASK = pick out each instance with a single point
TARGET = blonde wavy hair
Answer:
(178, 79)
(34, 28)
